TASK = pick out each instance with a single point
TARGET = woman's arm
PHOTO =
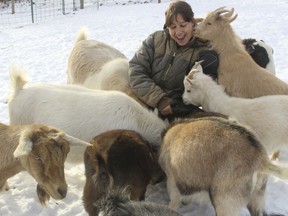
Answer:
(140, 69)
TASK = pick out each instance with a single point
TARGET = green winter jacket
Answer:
(158, 68)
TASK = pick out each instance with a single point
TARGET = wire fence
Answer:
(33, 11)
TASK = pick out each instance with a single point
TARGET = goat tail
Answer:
(276, 169)
(81, 35)
(18, 77)
(103, 178)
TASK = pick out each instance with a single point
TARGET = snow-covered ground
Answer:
(43, 49)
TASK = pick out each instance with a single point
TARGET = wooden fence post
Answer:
(63, 7)
(81, 4)
(13, 6)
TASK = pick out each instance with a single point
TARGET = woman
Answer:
(158, 68)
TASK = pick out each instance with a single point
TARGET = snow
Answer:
(43, 49)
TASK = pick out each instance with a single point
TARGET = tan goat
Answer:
(118, 159)
(219, 156)
(41, 151)
(237, 71)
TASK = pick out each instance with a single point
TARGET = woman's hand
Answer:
(166, 110)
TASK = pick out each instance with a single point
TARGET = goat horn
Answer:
(75, 141)
(233, 18)
(229, 14)
(220, 10)
(196, 64)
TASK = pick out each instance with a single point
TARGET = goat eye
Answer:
(209, 23)
(188, 91)
(37, 158)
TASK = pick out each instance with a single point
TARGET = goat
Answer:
(41, 151)
(97, 65)
(118, 158)
(81, 112)
(221, 157)
(267, 115)
(237, 71)
(117, 202)
(261, 53)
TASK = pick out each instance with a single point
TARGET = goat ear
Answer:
(189, 79)
(199, 66)
(56, 135)
(198, 20)
(75, 141)
(24, 146)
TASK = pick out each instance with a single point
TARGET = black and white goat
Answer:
(261, 52)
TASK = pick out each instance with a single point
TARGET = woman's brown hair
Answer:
(178, 7)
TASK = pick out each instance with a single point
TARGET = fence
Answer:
(20, 12)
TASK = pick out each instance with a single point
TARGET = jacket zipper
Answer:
(169, 67)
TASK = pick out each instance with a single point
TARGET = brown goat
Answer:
(118, 159)
(219, 156)
(41, 151)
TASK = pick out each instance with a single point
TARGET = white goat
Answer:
(237, 71)
(41, 151)
(97, 65)
(81, 112)
(88, 57)
(218, 156)
(267, 115)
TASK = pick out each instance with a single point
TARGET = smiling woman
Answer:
(160, 64)
(180, 21)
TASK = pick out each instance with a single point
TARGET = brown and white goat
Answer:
(97, 65)
(237, 71)
(219, 156)
(118, 159)
(41, 151)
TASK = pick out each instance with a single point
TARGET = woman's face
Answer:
(180, 30)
